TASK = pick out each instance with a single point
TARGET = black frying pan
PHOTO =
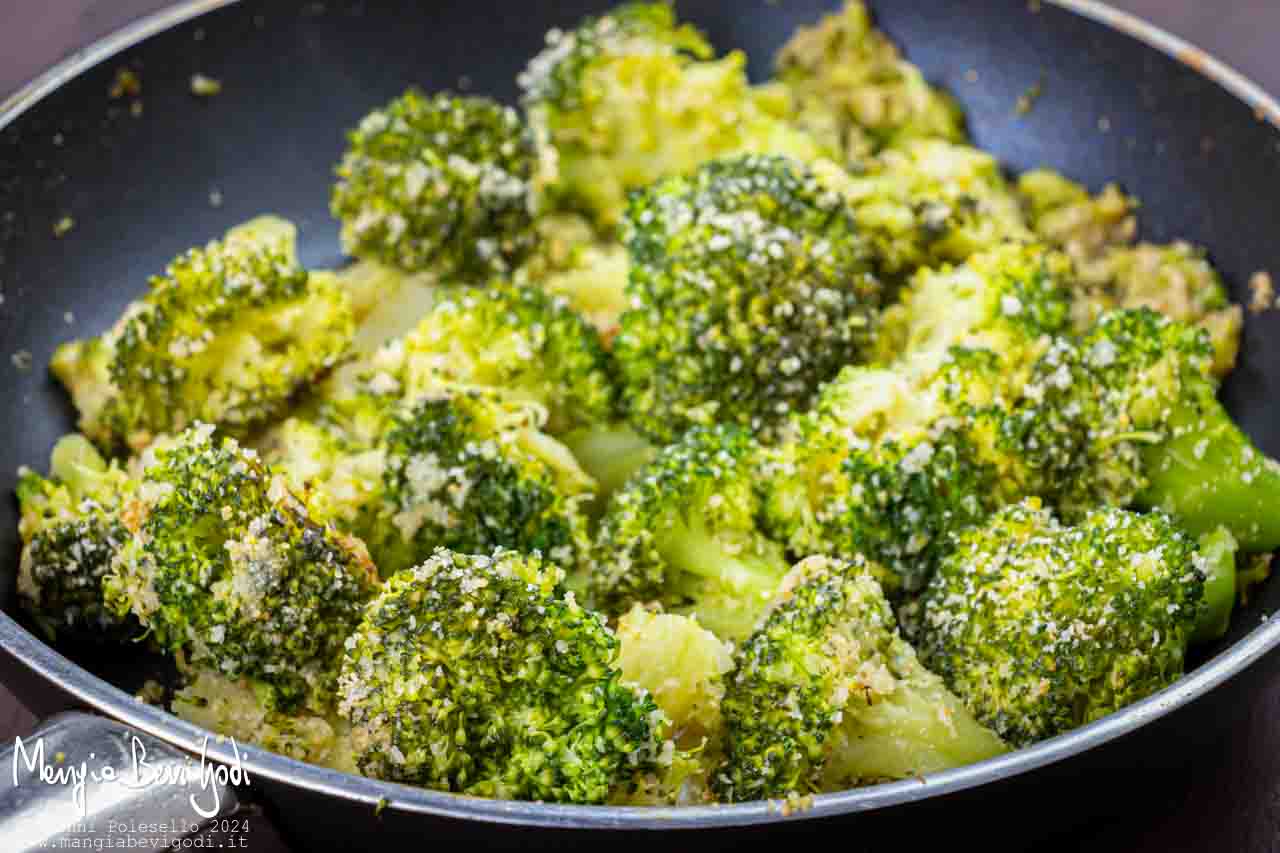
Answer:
(1194, 141)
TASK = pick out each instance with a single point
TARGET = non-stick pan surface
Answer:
(140, 184)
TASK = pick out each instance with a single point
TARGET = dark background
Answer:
(1232, 799)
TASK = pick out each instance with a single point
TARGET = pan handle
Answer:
(80, 777)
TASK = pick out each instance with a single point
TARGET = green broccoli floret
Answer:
(852, 88)
(465, 470)
(1009, 300)
(228, 335)
(438, 183)
(893, 458)
(1132, 406)
(1098, 231)
(682, 532)
(521, 343)
(749, 287)
(225, 564)
(631, 96)
(71, 530)
(929, 202)
(473, 674)
(1041, 627)
(826, 694)
(895, 498)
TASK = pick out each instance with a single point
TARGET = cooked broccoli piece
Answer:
(826, 694)
(632, 96)
(440, 183)
(853, 89)
(1062, 213)
(1097, 232)
(233, 708)
(750, 286)
(472, 674)
(225, 564)
(894, 458)
(928, 202)
(228, 335)
(1008, 300)
(589, 270)
(519, 342)
(464, 470)
(1176, 280)
(1041, 627)
(682, 666)
(682, 532)
(71, 530)
(1132, 406)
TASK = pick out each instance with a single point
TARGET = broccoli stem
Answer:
(610, 453)
(1208, 474)
(1218, 550)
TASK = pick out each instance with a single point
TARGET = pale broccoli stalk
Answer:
(438, 183)
(1041, 627)
(473, 674)
(852, 89)
(610, 453)
(826, 694)
(228, 335)
(631, 96)
(575, 262)
(71, 531)
(750, 286)
(682, 532)
(225, 565)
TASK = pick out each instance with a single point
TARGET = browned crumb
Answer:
(203, 86)
(1027, 100)
(126, 83)
(135, 109)
(21, 359)
(1263, 292)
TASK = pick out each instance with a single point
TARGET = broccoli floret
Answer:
(1175, 280)
(233, 708)
(749, 287)
(895, 498)
(1131, 411)
(228, 335)
(929, 202)
(682, 532)
(1041, 627)
(1009, 300)
(71, 530)
(894, 458)
(464, 470)
(1062, 213)
(440, 183)
(631, 96)
(826, 693)
(682, 665)
(519, 342)
(472, 674)
(225, 564)
(852, 88)
(1097, 232)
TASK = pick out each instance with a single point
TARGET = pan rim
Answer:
(113, 702)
